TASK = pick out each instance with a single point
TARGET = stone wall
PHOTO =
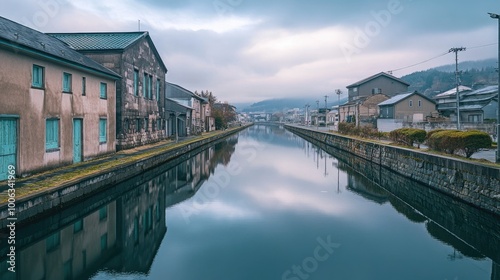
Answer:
(473, 183)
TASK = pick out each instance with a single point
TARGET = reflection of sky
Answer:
(271, 211)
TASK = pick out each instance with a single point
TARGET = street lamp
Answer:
(497, 17)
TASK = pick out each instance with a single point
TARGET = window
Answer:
(104, 242)
(411, 103)
(68, 270)
(150, 87)
(146, 124)
(158, 124)
(355, 89)
(136, 230)
(66, 82)
(103, 213)
(138, 125)
(158, 87)
(52, 242)
(136, 82)
(78, 226)
(84, 86)
(51, 134)
(104, 91)
(420, 103)
(102, 131)
(37, 76)
(145, 85)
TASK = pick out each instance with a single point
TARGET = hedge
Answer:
(453, 141)
(408, 136)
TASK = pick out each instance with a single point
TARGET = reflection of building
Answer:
(72, 251)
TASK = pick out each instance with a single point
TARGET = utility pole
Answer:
(338, 92)
(326, 121)
(456, 50)
(497, 17)
(317, 115)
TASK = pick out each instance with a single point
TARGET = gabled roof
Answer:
(488, 90)
(31, 42)
(398, 98)
(381, 74)
(105, 41)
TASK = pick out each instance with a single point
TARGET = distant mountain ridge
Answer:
(429, 82)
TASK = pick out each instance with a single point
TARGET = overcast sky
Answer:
(250, 50)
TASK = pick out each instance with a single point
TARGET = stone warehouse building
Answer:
(140, 102)
(57, 106)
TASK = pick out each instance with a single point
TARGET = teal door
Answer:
(8, 145)
(77, 140)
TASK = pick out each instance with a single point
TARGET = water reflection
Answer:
(252, 207)
(117, 231)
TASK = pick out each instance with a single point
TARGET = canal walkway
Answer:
(43, 183)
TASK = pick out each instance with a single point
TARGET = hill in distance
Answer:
(280, 104)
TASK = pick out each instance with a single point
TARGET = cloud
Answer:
(246, 51)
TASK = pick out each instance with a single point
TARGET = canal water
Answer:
(262, 204)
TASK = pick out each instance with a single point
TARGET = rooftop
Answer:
(381, 74)
(21, 38)
(396, 98)
(99, 41)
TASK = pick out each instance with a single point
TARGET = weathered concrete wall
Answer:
(473, 183)
(30, 206)
(31, 107)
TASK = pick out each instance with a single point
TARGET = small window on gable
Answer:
(38, 73)
(420, 103)
(410, 103)
(66, 82)
(104, 91)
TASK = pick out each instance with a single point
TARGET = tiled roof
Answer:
(24, 39)
(99, 41)
(376, 76)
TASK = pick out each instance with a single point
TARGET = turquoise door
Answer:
(8, 145)
(77, 140)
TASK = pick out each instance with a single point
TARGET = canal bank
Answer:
(473, 183)
(60, 187)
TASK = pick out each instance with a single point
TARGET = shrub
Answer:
(346, 127)
(408, 136)
(451, 141)
(472, 141)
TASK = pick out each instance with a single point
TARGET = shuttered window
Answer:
(37, 76)
(102, 131)
(66, 82)
(104, 91)
(51, 134)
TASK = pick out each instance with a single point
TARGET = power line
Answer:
(438, 56)
(422, 62)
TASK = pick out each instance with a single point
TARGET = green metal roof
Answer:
(99, 41)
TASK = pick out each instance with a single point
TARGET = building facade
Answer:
(140, 102)
(58, 106)
(381, 83)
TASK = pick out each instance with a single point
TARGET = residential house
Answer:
(405, 107)
(446, 102)
(140, 102)
(58, 106)
(363, 110)
(381, 83)
(476, 106)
